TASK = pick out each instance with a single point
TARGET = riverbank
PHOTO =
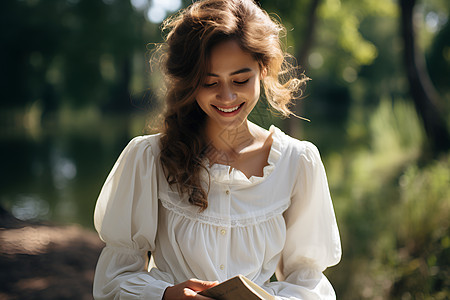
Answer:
(46, 261)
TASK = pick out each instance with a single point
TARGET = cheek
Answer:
(202, 100)
(256, 89)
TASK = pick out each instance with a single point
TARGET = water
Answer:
(53, 167)
(57, 173)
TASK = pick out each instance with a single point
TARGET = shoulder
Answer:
(141, 150)
(142, 140)
(144, 143)
(293, 148)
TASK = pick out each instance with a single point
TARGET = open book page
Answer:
(237, 288)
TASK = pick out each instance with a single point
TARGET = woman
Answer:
(215, 195)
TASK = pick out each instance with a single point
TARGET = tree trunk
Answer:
(303, 52)
(422, 91)
(302, 58)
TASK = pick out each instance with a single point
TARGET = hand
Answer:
(188, 290)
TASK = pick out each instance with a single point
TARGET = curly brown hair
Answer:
(191, 35)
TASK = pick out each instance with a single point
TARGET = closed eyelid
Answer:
(237, 81)
(242, 81)
(239, 77)
(209, 84)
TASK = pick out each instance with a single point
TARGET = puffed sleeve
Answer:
(312, 236)
(126, 219)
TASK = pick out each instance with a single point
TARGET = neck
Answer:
(229, 142)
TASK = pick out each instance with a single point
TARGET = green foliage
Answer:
(73, 52)
(439, 62)
(343, 18)
(393, 212)
(423, 232)
(66, 62)
(396, 127)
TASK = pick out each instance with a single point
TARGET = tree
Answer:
(425, 97)
(76, 53)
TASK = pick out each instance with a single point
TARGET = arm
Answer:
(126, 218)
(312, 237)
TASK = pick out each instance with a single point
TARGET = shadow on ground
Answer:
(44, 261)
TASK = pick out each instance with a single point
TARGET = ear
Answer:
(263, 72)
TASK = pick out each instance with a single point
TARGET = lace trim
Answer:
(210, 220)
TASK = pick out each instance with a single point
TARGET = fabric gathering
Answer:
(282, 223)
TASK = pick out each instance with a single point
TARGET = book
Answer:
(237, 288)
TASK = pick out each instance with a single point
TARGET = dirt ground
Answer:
(44, 261)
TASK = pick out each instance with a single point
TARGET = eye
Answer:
(209, 84)
(241, 82)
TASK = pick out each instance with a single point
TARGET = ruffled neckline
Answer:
(222, 173)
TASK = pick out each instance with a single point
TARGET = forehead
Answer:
(228, 56)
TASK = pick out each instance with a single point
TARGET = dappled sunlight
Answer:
(29, 207)
(393, 214)
(47, 262)
(157, 10)
(38, 239)
(78, 86)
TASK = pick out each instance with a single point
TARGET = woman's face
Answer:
(232, 86)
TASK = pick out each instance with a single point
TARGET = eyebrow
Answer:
(244, 70)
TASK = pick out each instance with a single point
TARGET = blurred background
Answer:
(76, 86)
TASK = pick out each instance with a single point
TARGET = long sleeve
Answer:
(126, 219)
(312, 237)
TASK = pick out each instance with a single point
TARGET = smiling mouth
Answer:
(229, 109)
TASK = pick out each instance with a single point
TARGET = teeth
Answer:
(228, 110)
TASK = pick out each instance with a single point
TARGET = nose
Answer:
(226, 93)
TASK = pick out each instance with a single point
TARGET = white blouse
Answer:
(283, 222)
